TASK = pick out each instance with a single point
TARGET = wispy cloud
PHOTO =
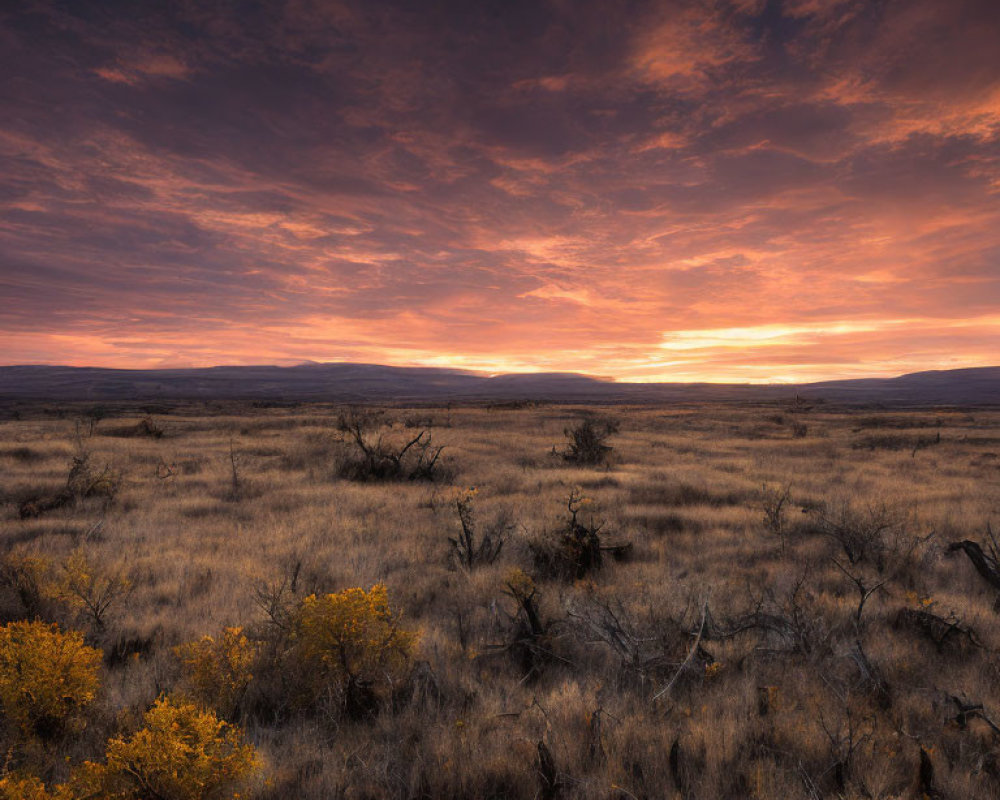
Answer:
(763, 190)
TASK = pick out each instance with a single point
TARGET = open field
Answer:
(833, 647)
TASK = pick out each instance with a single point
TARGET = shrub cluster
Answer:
(218, 670)
(49, 680)
(352, 642)
(337, 653)
(376, 455)
(47, 677)
(182, 752)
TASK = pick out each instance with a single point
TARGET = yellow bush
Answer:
(46, 676)
(218, 671)
(25, 787)
(353, 637)
(182, 753)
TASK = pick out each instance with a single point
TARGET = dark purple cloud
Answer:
(745, 188)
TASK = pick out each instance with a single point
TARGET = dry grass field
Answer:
(756, 601)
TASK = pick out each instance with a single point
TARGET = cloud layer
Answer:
(727, 190)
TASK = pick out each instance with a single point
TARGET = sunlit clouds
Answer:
(742, 190)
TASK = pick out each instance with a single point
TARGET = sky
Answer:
(725, 190)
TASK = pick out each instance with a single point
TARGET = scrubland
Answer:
(753, 601)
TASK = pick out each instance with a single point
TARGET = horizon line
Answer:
(485, 374)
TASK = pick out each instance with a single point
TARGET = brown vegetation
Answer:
(310, 602)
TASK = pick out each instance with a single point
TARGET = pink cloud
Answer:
(675, 194)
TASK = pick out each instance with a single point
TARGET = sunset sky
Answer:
(725, 190)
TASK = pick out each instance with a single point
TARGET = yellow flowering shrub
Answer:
(25, 787)
(47, 676)
(353, 637)
(218, 670)
(182, 753)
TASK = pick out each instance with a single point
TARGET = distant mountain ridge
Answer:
(351, 382)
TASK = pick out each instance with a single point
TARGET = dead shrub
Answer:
(865, 533)
(528, 643)
(476, 543)
(145, 427)
(25, 587)
(643, 650)
(377, 457)
(90, 590)
(774, 502)
(576, 549)
(788, 622)
(148, 427)
(85, 480)
(587, 441)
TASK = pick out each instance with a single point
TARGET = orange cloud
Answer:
(755, 192)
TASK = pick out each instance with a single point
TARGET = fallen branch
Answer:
(986, 564)
(967, 711)
(938, 629)
(619, 552)
(690, 656)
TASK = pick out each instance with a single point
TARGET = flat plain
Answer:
(735, 600)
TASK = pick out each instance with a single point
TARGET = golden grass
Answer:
(684, 486)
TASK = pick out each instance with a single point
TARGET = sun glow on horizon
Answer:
(720, 355)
